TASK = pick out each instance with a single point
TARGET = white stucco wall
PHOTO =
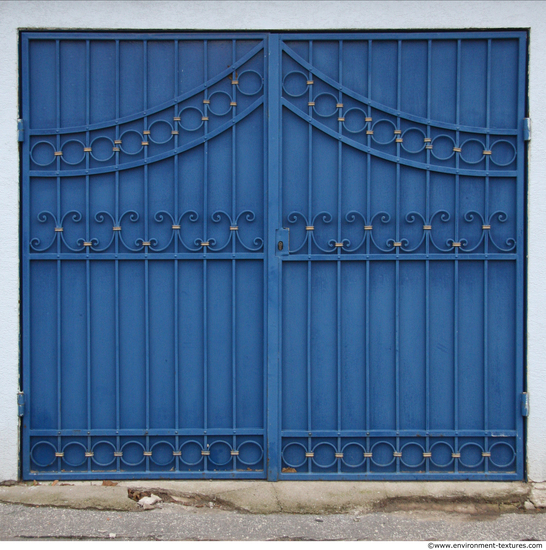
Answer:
(262, 15)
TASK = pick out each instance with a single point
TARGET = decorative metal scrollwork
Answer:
(381, 454)
(325, 217)
(403, 243)
(58, 233)
(249, 216)
(103, 453)
(501, 217)
(382, 125)
(152, 244)
(163, 131)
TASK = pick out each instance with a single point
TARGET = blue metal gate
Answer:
(273, 256)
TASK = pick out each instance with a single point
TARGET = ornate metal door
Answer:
(264, 255)
(402, 188)
(144, 162)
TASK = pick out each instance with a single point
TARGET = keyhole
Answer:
(280, 245)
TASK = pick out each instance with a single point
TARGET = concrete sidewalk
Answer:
(300, 497)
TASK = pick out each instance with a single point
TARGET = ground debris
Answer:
(136, 494)
(109, 483)
(146, 502)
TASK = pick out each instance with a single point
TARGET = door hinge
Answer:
(21, 403)
(20, 130)
(526, 129)
(524, 404)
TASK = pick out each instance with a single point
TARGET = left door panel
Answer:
(143, 248)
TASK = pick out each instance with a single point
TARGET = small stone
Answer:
(149, 501)
(112, 535)
(320, 520)
(211, 505)
(529, 505)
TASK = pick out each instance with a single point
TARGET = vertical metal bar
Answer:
(397, 282)
(274, 265)
(87, 264)
(116, 269)
(521, 250)
(205, 236)
(368, 239)
(456, 271)
(26, 355)
(309, 265)
(146, 266)
(427, 262)
(265, 264)
(486, 263)
(175, 267)
(233, 264)
(59, 249)
(338, 271)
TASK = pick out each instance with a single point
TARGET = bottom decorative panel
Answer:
(403, 456)
(147, 456)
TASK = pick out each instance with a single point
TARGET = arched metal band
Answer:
(397, 160)
(384, 108)
(161, 107)
(156, 158)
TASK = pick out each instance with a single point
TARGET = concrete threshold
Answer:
(292, 497)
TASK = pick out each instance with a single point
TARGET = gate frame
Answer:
(208, 16)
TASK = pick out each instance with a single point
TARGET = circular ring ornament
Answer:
(36, 152)
(421, 451)
(96, 144)
(189, 110)
(290, 78)
(70, 150)
(324, 444)
(74, 444)
(471, 151)
(392, 454)
(48, 444)
(409, 139)
(501, 444)
(438, 145)
(127, 135)
(493, 155)
(345, 452)
(191, 442)
(325, 114)
(220, 442)
(449, 452)
(294, 444)
(95, 453)
(468, 446)
(169, 454)
(248, 72)
(219, 94)
(377, 129)
(239, 459)
(123, 459)
(158, 124)
(348, 118)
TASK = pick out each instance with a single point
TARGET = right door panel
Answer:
(402, 184)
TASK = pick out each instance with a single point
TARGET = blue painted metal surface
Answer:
(402, 186)
(166, 330)
(144, 197)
